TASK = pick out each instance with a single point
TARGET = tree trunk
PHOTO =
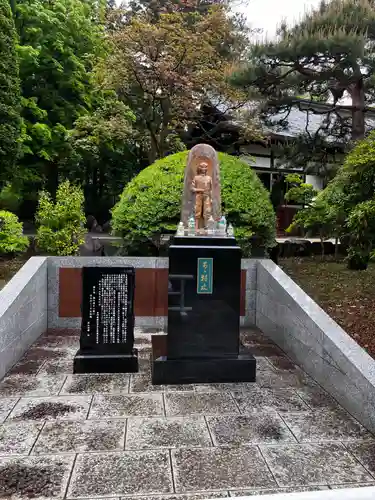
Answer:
(358, 114)
(322, 246)
(336, 249)
(152, 153)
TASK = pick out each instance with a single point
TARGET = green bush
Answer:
(151, 203)
(10, 199)
(12, 240)
(351, 200)
(61, 223)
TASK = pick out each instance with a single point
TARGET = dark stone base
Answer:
(89, 362)
(203, 370)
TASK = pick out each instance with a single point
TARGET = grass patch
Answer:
(347, 296)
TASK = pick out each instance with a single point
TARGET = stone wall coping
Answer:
(140, 262)
(338, 494)
(354, 354)
(14, 287)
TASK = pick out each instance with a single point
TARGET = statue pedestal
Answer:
(203, 314)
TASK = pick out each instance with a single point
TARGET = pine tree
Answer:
(9, 93)
(328, 54)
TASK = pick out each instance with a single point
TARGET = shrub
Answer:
(151, 202)
(350, 197)
(10, 199)
(61, 223)
(12, 240)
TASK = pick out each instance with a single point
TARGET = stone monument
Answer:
(204, 286)
(107, 332)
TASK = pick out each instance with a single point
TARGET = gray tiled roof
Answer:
(297, 123)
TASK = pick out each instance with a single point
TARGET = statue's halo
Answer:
(198, 154)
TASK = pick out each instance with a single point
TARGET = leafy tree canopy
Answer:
(166, 70)
(104, 155)
(9, 94)
(327, 55)
(60, 43)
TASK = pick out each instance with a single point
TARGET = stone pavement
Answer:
(95, 436)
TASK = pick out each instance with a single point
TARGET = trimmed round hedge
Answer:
(151, 203)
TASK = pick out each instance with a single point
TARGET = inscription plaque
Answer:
(205, 276)
(107, 332)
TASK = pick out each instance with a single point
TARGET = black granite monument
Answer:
(204, 288)
(107, 333)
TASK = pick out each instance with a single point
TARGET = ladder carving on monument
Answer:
(181, 293)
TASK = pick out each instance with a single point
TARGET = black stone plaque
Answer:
(107, 333)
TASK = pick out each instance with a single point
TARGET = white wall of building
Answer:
(315, 181)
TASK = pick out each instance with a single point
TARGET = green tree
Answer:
(61, 223)
(327, 55)
(299, 192)
(350, 196)
(60, 44)
(9, 93)
(104, 154)
(151, 203)
(165, 70)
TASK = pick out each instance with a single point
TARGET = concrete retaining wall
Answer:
(305, 332)
(23, 311)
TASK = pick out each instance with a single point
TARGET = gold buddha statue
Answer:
(202, 187)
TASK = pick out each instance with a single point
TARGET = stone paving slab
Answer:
(96, 384)
(141, 382)
(258, 399)
(6, 406)
(323, 425)
(79, 437)
(219, 468)
(193, 496)
(69, 343)
(35, 477)
(24, 385)
(365, 453)
(220, 387)
(204, 403)
(44, 354)
(354, 485)
(275, 491)
(263, 364)
(61, 407)
(283, 364)
(313, 464)
(131, 405)
(29, 367)
(282, 379)
(238, 430)
(18, 437)
(317, 398)
(57, 366)
(121, 473)
(173, 432)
